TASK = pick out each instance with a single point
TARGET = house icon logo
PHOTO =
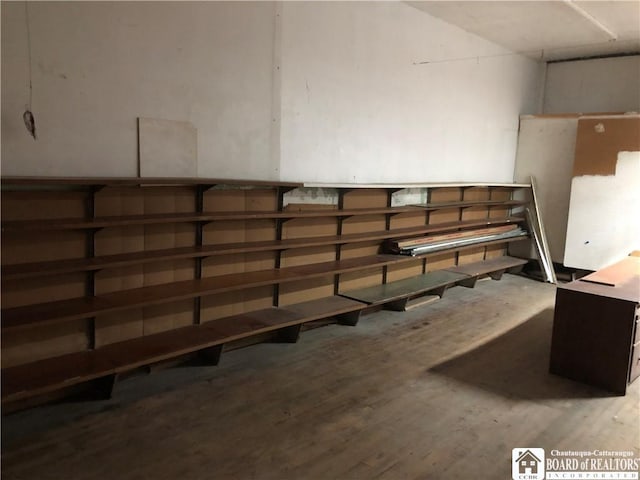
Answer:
(527, 463)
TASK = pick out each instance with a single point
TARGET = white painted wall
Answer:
(597, 85)
(97, 66)
(308, 91)
(357, 108)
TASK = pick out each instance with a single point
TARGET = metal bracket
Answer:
(211, 355)
(349, 318)
(289, 334)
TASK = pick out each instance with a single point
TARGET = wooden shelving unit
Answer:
(102, 275)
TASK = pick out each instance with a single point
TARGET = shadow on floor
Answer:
(516, 364)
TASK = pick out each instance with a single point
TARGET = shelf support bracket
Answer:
(105, 386)
(350, 318)
(211, 355)
(289, 334)
(469, 282)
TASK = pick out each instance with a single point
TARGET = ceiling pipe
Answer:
(601, 26)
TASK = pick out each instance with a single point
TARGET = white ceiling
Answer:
(549, 30)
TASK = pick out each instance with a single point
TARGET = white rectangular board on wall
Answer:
(603, 218)
(167, 148)
(603, 222)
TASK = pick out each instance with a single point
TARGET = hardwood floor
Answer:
(442, 391)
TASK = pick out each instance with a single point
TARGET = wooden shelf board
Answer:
(488, 266)
(136, 181)
(476, 203)
(405, 288)
(26, 270)
(324, 307)
(48, 375)
(151, 219)
(414, 185)
(86, 307)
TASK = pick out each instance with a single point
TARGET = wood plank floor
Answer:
(443, 391)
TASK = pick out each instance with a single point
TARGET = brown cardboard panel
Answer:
(168, 271)
(309, 227)
(25, 346)
(175, 199)
(117, 279)
(355, 250)
(360, 279)
(160, 318)
(257, 298)
(220, 305)
(119, 326)
(29, 291)
(305, 290)
(224, 201)
(255, 261)
(444, 216)
(22, 247)
(114, 240)
(223, 265)
(238, 231)
(236, 263)
(404, 270)
(260, 230)
(30, 205)
(405, 220)
(494, 251)
(119, 201)
(475, 213)
(365, 198)
(476, 193)
(157, 237)
(223, 232)
(308, 207)
(498, 212)
(305, 256)
(599, 140)
(231, 303)
(439, 262)
(259, 200)
(471, 255)
(239, 200)
(363, 224)
(500, 194)
(447, 194)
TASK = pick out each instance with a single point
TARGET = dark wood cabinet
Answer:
(595, 329)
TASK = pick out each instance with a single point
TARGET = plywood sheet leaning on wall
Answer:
(546, 150)
(605, 192)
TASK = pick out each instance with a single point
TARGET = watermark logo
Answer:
(530, 464)
(527, 463)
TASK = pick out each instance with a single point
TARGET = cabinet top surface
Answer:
(620, 280)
